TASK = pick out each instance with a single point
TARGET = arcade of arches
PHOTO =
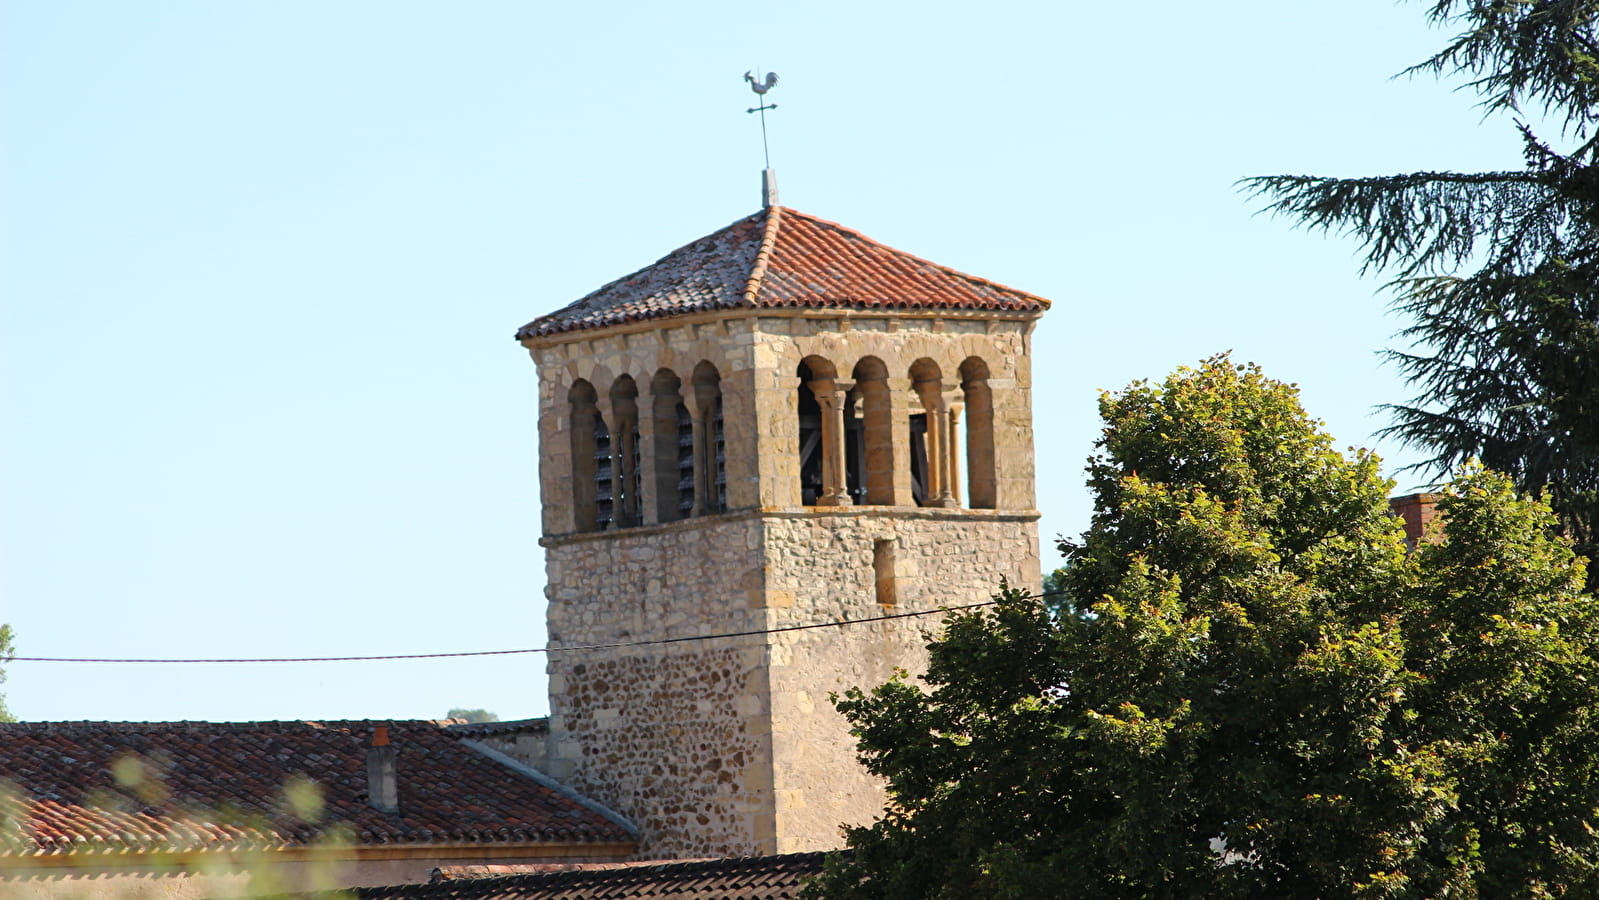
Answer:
(847, 451)
(686, 459)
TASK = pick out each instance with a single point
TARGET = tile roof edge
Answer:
(957, 273)
(446, 872)
(535, 775)
(463, 728)
(95, 850)
(197, 725)
(91, 852)
(630, 872)
(763, 255)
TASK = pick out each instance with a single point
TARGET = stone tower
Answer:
(779, 425)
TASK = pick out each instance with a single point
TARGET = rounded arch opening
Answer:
(710, 445)
(982, 475)
(625, 477)
(820, 407)
(869, 445)
(672, 452)
(591, 459)
(929, 457)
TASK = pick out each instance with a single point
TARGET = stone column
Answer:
(952, 475)
(937, 440)
(835, 486)
(938, 453)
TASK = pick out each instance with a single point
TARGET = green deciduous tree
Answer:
(1498, 271)
(1253, 689)
(1504, 647)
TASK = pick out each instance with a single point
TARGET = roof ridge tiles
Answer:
(763, 256)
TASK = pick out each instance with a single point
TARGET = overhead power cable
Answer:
(839, 623)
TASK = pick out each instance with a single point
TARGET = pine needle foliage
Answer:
(1257, 690)
(1523, 53)
(1498, 272)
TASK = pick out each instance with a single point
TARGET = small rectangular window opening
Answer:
(883, 569)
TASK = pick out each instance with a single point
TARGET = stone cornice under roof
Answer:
(215, 786)
(780, 258)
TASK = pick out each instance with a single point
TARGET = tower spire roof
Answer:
(782, 258)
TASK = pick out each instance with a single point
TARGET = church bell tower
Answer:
(782, 424)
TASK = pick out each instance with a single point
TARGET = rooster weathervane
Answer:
(760, 87)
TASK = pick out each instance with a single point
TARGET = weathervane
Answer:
(760, 88)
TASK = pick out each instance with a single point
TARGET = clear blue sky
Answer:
(262, 263)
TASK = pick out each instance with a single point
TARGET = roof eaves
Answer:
(463, 728)
(733, 877)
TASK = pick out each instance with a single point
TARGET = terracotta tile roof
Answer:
(66, 786)
(782, 258)
(456, 873)
(748, 878)
(463, 728)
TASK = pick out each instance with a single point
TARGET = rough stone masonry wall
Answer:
(730, 747)
(823, 567)
(673, 736)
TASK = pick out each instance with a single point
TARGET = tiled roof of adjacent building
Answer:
(463, 728)
(747, 878)
(782, 258)
(126, 786)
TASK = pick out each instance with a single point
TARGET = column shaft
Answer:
(835, 489)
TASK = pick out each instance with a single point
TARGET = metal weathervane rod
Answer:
(760, 88)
